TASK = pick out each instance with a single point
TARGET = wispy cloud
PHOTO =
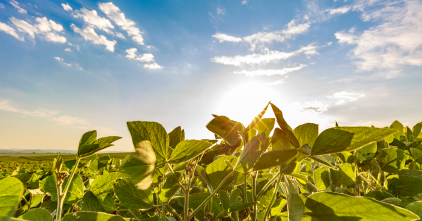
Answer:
(15, 4)
(9, 30)
(1, 5)
(114, 13)
(92, 19)
(153, 66)
(62, 61)
(221, 11)
(76, 122)
(338, 98)
(66, 7)
(46, 28)
(262, 38)
(120, 35)
(391, 45)
(340, 10)
(89, 34)
(270, 72)
(131, 55)
(146, 57)
(264, 58)
(67, 49)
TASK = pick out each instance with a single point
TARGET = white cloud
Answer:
(131, 55)
(154, 66)
(66, 7)
(341, 10)
(315, 106)
(93, 20)
(1, 5)
(119, 18)
(394, 43)
(264, 58)
(221, 11)
(344, 96)
(261, 38)
(223, 37)
(89, 34)
(55, 37)
(244, 2)
(270, 72)
(62, 61)
(293, 29)
(120, 35)
(24, 26)
(45, 27)
(9, 30)
(67, 49)
(15, 4)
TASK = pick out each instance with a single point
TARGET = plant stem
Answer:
(59, 203)
(133, 214)
(78, 159)
(173, 211)
(186, 206)
(175, 177)
(218, 216)
(254, 207)
(356, 181)
(268, 184)
(62, 195)
(245, 184)
(273, 197)
(213, 193)
(163, 212)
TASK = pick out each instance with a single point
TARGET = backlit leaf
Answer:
(225, 128)
(274, 158)
(131, 197)
(284, 126)
(339, 207)
(251, 153)
(11, 190)
(306, 133)
(256, 119)
(188, 149)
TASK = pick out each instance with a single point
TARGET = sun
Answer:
(244, 101)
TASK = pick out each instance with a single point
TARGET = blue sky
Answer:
(72, 66)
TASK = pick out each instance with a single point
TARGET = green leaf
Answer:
(38, 214)
(365, 153)
(339, 207)
(415, 207)
(391, 159)
(237, 206)
(75, 192)
(153, 132)
(417, 130)
(277, 206)
(275, 158)
(169, 188)
(251, 153)
(225, 201)
(90, 146)
(279, 140)
(204, 177)
(88, 138)
(295, 205)
(218, 170)
(344, 176)
(265, 125)
(256, 119)
(408, 134)
(91, 203)
(322, 178)
(99, 216)
(306, 134)
(379, 195)
(405, 183)
(399, 127)
(11, 190)
(175, 137)
(107, 201)
(131, 197)
(188, 149)
(285, 127)
(225, 128)
(340, 139)
(141, 165)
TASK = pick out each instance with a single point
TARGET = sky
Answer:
(67, 67)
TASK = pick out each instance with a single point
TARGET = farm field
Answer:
(262, 171)
(17, 157)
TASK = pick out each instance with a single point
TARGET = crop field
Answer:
(261, 171)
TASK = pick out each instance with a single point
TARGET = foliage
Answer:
(264, 171)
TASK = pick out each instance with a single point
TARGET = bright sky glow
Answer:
(72, 66)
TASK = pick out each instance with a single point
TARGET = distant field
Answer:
(50, 157)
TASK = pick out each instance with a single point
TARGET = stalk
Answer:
(175, 177)
(273, 197)
(174, 212)
(71, 177)
(254, 207)
(133, 214)
(163, 210)
(213, 193)
(186, 206)
(59, 203)
(62, 195)
(245, 195)
(356, 181)
(268, 184)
